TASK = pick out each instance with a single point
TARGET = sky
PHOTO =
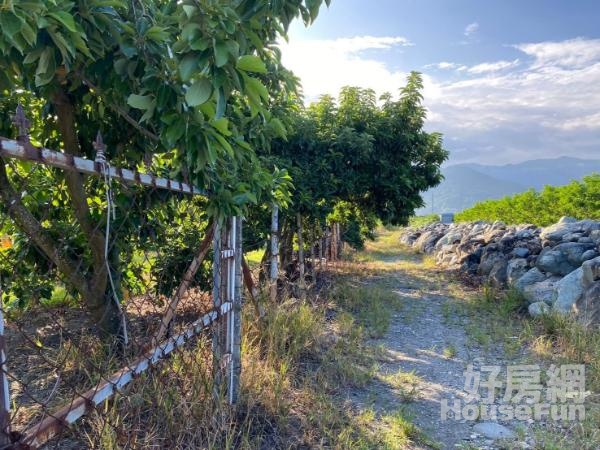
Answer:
(505, 80)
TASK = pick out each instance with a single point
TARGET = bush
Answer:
(579, 199)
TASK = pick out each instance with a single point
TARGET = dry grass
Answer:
(298, 362)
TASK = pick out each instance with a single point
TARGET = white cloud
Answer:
(445, 65)
(476, 69)
(544, 104)
(493, 66)
(574, 53)
(325, 66)
(471, 29)
(547, 107)
(589, 122)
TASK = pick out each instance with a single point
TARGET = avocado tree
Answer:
(358, 161)
(186, 84)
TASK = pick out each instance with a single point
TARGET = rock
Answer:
(493, 430)
(520, 252)
(568, 291)
(556, 232)
(591, 271)
(595, 236)
(563, 258)
(498, 275)
(542, 291)
(538, 308)
(515, 269)
(531, 276)
(426, 242)
(589, 254)
(587, 308)
(571, 237)
(452, 237)
(490, 257)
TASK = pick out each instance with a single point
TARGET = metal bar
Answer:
(4, 388)
(25, 151)
(274, 275)
(231, 315)
(217, 332)
(236, 357)
(37, 435)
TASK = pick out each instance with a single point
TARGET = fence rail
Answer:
(24, 150)
(45, 430)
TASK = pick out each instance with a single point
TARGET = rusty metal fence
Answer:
(112, 306)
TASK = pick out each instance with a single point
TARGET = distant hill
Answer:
(466, 184)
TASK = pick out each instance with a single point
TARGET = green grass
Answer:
(254, 257)
(421, 221)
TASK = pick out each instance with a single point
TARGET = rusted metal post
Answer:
(236, 311)
(274, 275)
(4, 388)
(219, 328)
(227, 273)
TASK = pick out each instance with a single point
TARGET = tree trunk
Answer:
(99, 299)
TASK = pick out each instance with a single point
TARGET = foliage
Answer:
(194, 78)
(421, 221)
(579, 199)
(357, 162)
(182, 88)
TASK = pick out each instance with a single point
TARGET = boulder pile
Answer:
(556, 268)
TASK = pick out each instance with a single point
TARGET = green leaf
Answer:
(251, 63)
(140, 101)
(188, 66)
(278, 128)
(46, 67)
(11, 23)
(28, 33)
(189, 10)
(226, 145)
(221, 104)
(221, 54)
(32, 56)
(222, 125)
(200, 44)
(199, 92)
(255, 87)
(65, 19)
(157, 34)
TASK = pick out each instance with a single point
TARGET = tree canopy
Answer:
(359, 160)
(191, 79)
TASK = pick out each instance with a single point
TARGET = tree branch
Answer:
(185, 284)
(32, 228)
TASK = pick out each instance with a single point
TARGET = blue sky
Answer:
(505, 80)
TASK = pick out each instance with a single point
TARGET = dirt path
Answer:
(427, 351)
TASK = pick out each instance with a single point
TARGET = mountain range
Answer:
(466, 184)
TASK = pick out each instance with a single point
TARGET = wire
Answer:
(111, 211)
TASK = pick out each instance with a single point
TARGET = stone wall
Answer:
(556, 268)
